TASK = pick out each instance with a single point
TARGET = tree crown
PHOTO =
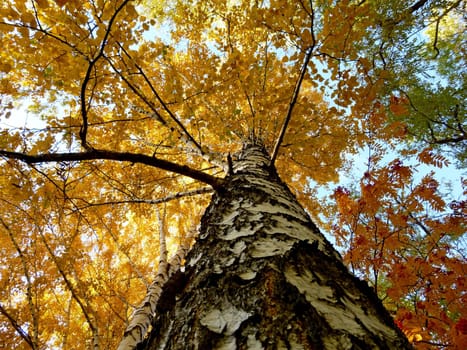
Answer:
(136, 106)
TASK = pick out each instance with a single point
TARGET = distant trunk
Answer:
(262, 276)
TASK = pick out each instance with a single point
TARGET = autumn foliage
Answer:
(398, 234)
(118, 119)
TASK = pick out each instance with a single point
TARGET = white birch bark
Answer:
(142, 317)
(262, 276)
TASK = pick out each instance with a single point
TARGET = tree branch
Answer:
(183, 132)
(298, 84)
(292, 103)
(161, 101)
(29, 292)
(26, 337)
(96, 154)
(85, 104)
(418, 5)
(435, 41)
(74, 293)
(191, 193)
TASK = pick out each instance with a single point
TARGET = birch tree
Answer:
(135, 131)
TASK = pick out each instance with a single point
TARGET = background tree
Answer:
(402, 237)
(134, 108)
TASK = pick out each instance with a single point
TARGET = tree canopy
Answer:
(135, 108)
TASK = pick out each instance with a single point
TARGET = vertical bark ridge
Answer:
(262, 276)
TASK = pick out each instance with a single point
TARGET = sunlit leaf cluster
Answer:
(403, 237)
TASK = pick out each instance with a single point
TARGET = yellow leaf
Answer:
(43, 3)
(61, 2)
(5, 67)
(28, 18)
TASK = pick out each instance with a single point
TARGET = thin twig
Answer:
(161, 101)
(166, 199)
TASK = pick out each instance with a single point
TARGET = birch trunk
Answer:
(262, 276)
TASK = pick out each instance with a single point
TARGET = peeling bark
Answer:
(262, 276)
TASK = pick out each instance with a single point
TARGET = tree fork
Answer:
(262, 276)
